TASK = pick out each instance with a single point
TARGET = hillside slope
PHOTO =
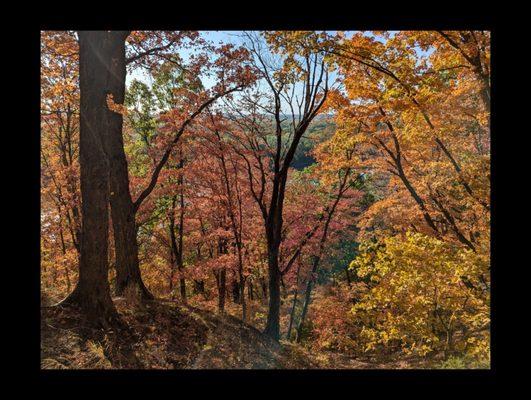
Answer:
(169, 335)
(161, 335)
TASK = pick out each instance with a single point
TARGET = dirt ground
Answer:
(169, 335)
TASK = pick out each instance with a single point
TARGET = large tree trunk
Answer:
(128, 277)
(98, 53)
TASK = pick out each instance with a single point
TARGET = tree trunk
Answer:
(294, 305)
(180, 265)
(221, 280)
(292, 314)
(99, 52)
(128, 277)
(307, 298)
(449, 348)
(273, 317)
(199, 287)
(235, 291)
(172, 273)
(177, 247)
(63, 250)
(67, 276)
(182, 288)
(242, 296)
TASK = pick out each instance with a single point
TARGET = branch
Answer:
(148, 52)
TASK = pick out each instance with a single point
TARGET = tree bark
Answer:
(174, 251)
(349, 280)
(128, 277)
(99, 51)
(273, 317)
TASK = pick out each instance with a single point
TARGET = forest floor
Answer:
(170, 335)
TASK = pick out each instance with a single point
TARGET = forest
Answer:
(265, 199)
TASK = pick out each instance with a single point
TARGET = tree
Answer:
(100, 69)
(395, 64)
(389, 115)
(276, 149)
(420, 276)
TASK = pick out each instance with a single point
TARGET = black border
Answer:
(28, 187)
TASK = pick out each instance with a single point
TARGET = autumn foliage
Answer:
(332, 190)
